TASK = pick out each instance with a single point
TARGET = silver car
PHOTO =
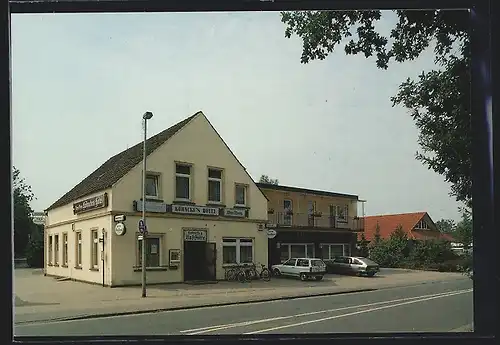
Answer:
(353, 265)
(303, 268)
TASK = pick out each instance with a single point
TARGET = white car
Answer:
(303, 268)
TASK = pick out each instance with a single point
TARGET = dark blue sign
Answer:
(142, 226)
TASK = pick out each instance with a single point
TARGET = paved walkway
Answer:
(40, 298)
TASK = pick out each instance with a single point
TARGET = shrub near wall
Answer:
(399, 252)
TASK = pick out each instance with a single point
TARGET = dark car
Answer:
(352, 265)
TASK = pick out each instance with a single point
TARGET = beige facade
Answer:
(201, 205)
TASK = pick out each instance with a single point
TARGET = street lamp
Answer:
(147, 116)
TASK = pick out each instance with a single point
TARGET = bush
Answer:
(34, 249)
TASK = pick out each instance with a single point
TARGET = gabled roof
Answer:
(305, 191)
(388, 223)
(117, 166)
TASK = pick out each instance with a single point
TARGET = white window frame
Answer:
(56, 249)
(65, 248)
(139, 253)
(94, 249)
(238, 244)
(50, 252)
(156, 178)
(78, 249)
(289, 245)
(422, 225)
(287, 218)
(346, 249)
(245, 190)
(214, 179)
(346, 213)
(188, 176)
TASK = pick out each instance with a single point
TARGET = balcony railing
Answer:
(304, 220)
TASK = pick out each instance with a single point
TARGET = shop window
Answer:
(65, 249)
(153, 251)
(237, 250)
(296, 250)
(240, 198)
(95, 248)
(330, 251)
(152, 185)
(78, 251)
(182, 182)
(56, 249)
(214, 185)
(50, 251)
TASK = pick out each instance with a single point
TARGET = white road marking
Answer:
(357, 312)
(196, 331)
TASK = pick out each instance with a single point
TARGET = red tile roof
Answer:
(388, 223)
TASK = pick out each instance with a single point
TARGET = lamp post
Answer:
(147, 116)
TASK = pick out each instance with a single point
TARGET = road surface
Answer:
(433, 307)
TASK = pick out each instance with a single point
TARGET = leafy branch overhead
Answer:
(268, 180)
(438, 101)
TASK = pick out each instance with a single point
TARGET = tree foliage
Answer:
(438, 100)
(377, 237)
(23, 223)
(363, 246)
(266, 179)
(445, 226)
(463, 230)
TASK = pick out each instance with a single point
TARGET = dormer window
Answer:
(422, 225)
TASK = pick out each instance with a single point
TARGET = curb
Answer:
(199, 306)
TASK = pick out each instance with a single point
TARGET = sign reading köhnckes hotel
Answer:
(196, 210)
(91, 204)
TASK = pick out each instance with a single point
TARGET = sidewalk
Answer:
(59, 300)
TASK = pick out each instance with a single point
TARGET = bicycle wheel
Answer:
(242, 277)
(266, 275)
(231, 274)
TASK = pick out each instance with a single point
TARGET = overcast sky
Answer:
(81, 82)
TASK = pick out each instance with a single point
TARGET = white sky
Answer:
(81, 83)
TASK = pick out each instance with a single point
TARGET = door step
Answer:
(200, 282)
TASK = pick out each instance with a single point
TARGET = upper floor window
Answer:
(182, 181)
(422, 225)
(342, 212)
(240, 198)
(214, 185)
(152, 185)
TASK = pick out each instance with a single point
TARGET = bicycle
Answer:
(251, 273)
(236, 273)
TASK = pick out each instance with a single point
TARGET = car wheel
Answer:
(370, 274)
(303, 277)
(276, 272)
(318, 277)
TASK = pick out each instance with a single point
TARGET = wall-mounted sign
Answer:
(151, 206)
(120, 218)
(174, 257)
(120, 229)
(197, 210)
(195, 235)
(91, 204)
(38, 218)
(235, 212)
(270, 225)
(271, 233)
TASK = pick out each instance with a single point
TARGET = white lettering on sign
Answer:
(195, 235)
(234, 212)
(198, 210)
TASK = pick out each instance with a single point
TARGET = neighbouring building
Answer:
(310, 223)
(416, 225)
(203, 213)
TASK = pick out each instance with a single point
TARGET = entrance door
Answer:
(210, 261)
(194, 260)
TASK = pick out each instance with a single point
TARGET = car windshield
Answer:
(367, 261)
(317, 263)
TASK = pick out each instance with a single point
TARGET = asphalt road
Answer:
(433, 307)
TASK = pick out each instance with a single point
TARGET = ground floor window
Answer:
(296, 250)
(153, 251)
(237, 250)
(50, 251)
(331, 250)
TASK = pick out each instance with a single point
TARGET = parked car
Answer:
(303, 268)
(352, 265)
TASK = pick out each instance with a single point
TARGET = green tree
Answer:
(438, 101)
(23, 223)
(266, 179)
(445, 226)
(463, 230)
(363, 246)
(376, 237)
(34, 249)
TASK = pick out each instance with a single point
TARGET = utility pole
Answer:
(147, 116)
